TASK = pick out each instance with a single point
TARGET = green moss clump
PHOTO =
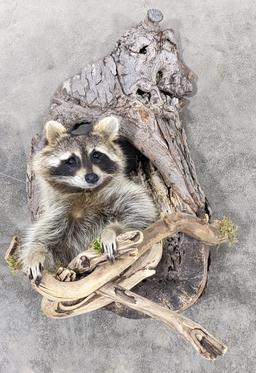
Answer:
(12, 263)
(96, 246)
(229, 229)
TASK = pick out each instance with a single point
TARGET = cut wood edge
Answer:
(192, 300)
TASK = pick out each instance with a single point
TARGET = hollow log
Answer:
(143, 82)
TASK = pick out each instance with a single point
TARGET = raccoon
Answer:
(85, 194)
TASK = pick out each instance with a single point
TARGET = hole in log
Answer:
(143, 50)
(81, 128)
(132, 155)
(166, 93)
(159, 76)
(143, 96)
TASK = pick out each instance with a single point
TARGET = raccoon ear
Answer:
(108, 126)
(53, 130)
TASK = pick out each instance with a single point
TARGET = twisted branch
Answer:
(107, 282)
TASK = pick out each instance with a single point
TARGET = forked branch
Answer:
(207, 345)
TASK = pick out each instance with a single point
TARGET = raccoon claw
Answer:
(65, 275)
(110, 249)
(30, 276)
(33, 266)
(35, 273)
(38, 280)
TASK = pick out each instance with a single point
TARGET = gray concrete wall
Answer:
(43, 42)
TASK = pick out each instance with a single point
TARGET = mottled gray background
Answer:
(44, 42)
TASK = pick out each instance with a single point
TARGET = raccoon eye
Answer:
(71, 161)
(97, 155)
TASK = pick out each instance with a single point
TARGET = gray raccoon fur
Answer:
(85, 194)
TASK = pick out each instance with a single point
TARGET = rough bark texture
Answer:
(142, 82)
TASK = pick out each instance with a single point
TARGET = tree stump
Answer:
(143, 82)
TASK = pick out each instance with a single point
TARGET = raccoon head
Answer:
(80, 162)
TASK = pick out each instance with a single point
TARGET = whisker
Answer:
(12, 177)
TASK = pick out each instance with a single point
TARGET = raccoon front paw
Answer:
(108, 243)
(34, 267)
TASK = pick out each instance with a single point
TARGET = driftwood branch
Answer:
(207, 345)
(108, 283)
(143, 268)
(87, 261)
(178, 222)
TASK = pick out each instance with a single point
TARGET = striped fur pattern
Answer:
(79, 208)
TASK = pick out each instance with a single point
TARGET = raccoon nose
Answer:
(91, 178)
